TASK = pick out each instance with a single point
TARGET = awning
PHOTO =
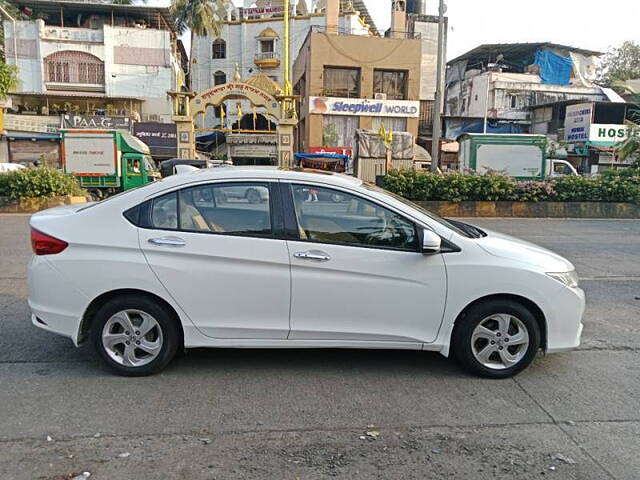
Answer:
(32, 136)
(73, 94)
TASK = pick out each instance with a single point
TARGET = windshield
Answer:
(149, 165)
(431, 215)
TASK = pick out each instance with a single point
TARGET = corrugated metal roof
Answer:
(52, 7)
(489, 52)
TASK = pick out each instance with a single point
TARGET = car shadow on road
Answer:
(315, 361)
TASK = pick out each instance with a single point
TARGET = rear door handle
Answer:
(168, 241)
(315, 255)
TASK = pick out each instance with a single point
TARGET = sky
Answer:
(589, 24)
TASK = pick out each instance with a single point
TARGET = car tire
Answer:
(496, 339)
(135, 352)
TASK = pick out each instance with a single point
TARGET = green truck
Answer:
(107, 161)
(523, 157)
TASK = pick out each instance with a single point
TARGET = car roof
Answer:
(232, 173)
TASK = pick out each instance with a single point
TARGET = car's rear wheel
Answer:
(135, 335)
(496, 339)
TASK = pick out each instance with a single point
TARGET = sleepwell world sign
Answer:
(364, 107)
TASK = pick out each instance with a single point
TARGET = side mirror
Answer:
(431, 242)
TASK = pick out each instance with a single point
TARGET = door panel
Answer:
(231, 285)
(357, 273)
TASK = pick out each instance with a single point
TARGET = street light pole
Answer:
(437, 117)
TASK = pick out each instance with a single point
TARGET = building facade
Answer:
(501, 83)
(251, 42)
(87, 60)
(351, 82)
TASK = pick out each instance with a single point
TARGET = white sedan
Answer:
(185, 263)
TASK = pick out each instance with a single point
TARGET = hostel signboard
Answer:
(577, 122)
(609, 135)
(364, 107)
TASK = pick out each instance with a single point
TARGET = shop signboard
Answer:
(609, 135)
(364, 107)
(577, 122)
(98, 122)
(161, 138)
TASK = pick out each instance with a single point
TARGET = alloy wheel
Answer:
(132, 338)
(500, 341)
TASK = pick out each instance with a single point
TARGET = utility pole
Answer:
(437, 117)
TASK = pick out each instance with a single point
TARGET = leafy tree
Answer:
(630, 148)
(621, 64)
(8, 79)
(202, 17)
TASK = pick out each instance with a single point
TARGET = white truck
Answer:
(520, 156)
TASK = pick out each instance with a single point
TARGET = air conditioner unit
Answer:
(380, 96)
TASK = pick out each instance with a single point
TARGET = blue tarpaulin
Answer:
(554, 69)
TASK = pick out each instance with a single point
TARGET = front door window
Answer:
(330, 216)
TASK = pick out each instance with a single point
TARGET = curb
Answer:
(533, 209)
(35, 204)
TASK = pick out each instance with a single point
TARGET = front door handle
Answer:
(315, 255)
(168, 241)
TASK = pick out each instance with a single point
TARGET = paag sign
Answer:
(577, 122)
(611, 134)
(99, 122)
(364, 107)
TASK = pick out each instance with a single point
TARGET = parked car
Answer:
(10, 167)
(185, 263)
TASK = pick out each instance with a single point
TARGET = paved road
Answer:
(302, 414)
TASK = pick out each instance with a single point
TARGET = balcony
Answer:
(71, 34)
(72, 70)
(267, 59)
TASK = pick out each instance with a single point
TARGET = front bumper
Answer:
(564, 320)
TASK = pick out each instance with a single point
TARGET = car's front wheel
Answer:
(135, 335)
(496, 339)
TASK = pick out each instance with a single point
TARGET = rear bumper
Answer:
(56, 305)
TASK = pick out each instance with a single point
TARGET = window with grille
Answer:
(391, 82)
(341, 82)
(74, 67)
(219, 78)
(219, 47)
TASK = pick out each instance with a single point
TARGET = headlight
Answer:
(569, 279)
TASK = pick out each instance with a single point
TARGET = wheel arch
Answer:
(527, 303)
(87, 319)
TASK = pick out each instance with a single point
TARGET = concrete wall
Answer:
(366, 53)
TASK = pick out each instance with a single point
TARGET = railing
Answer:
(28, 123)
(88, 35)
(267, 55)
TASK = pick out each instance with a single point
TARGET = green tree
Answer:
(8, 79)
(621, 64)
(630, 148)
(201, 17)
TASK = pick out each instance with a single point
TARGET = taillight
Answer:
(43, 244)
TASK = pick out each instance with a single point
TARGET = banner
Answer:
(161, 138)
(100, 122)
(364, 107)
(577, 122)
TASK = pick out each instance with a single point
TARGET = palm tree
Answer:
(202, 17)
